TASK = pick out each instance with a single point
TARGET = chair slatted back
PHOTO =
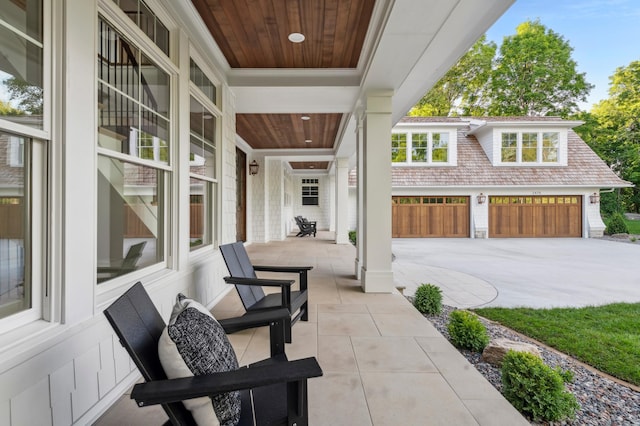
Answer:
(239, 265)
(138, 325)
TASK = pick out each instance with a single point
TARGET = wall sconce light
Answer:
(481, 198)
(594, 198)
(253, 168)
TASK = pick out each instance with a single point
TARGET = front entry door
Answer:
(241, 195)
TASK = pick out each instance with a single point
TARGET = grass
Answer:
(605, 337)
(633, 226)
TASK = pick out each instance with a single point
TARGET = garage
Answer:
(430, 217)
(535, 216)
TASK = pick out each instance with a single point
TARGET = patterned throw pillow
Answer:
(194, 343)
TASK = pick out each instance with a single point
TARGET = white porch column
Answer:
(359, 195)
(342, 200)
(377, 274)
(332, 201)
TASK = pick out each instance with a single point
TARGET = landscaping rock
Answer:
(495, 351)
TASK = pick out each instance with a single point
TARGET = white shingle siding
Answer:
(319, 213)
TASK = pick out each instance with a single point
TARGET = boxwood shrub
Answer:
(428, 299)
(535, 389)
(466, 331)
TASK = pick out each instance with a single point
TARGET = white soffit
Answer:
(285, 100)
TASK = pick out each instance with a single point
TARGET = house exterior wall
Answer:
(70, 368)
(319, 213)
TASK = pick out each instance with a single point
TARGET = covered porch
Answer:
(383, 363)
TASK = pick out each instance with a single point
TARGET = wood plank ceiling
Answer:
(253, 34)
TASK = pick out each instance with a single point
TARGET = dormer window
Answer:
(529, 147)
(421, 148)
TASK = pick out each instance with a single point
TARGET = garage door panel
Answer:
(535, 216)
(430, 216)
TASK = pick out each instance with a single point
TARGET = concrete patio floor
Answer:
(383, 363)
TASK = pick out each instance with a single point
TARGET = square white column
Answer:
(342, 200)
(377, 274)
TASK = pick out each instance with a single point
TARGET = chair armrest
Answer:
(259, 282)
(275, 319)
(293, 269)
(174, 390)
(253, 319)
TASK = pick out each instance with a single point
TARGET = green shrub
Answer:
(428, 299)
(352, 237)
(535, 389)
(466, 331)
(616, 224)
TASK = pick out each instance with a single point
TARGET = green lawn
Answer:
(633, 225)
(605, 337)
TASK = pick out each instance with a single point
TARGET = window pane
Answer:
(550, 147)
(202, 82)
(203, 152)
(155, 87)
(419, 145)
(147, 21)
(398, 147)
(118, 61)
(529, 147)
(133, 107)
(117, 121)
(440, 147)
(153, 138)
(130, 217)
(201, 217)
(14, 285)
(509, 147)
(24, 16)
(21, 67)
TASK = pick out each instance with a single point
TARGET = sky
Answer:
(604, 34)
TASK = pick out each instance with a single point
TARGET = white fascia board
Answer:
(456, 33)
(301, 153)
(289, 100)
(457, 125)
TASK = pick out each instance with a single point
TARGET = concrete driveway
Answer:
(538, 273)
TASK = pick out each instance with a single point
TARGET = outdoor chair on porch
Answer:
(249, 286)
(272, 391)
(128, 264)
(305, 227)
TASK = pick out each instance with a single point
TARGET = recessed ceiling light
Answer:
(305, 117)
(296, 38)
(307, 140)
(312, 167)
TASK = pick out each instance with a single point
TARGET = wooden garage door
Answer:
(421, 217)
(535, 216)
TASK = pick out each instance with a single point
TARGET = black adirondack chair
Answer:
(128, 264)
(249, 287)
(273, 391)
(305, 227)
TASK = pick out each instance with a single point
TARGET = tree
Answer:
(535, 75)
(28, 95)
(7, 109)
(616, 138)
(461, 89)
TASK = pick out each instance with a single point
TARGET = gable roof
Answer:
(474, 169)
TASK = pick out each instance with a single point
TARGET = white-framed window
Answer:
(310, 192)
(420, 147)
(147, 21)
(23, 162)
(529, 147)
(202, 159)
(134, 154)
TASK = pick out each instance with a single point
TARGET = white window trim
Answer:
(539, 149)
(451, 148)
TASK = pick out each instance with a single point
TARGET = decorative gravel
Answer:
(602, 401)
